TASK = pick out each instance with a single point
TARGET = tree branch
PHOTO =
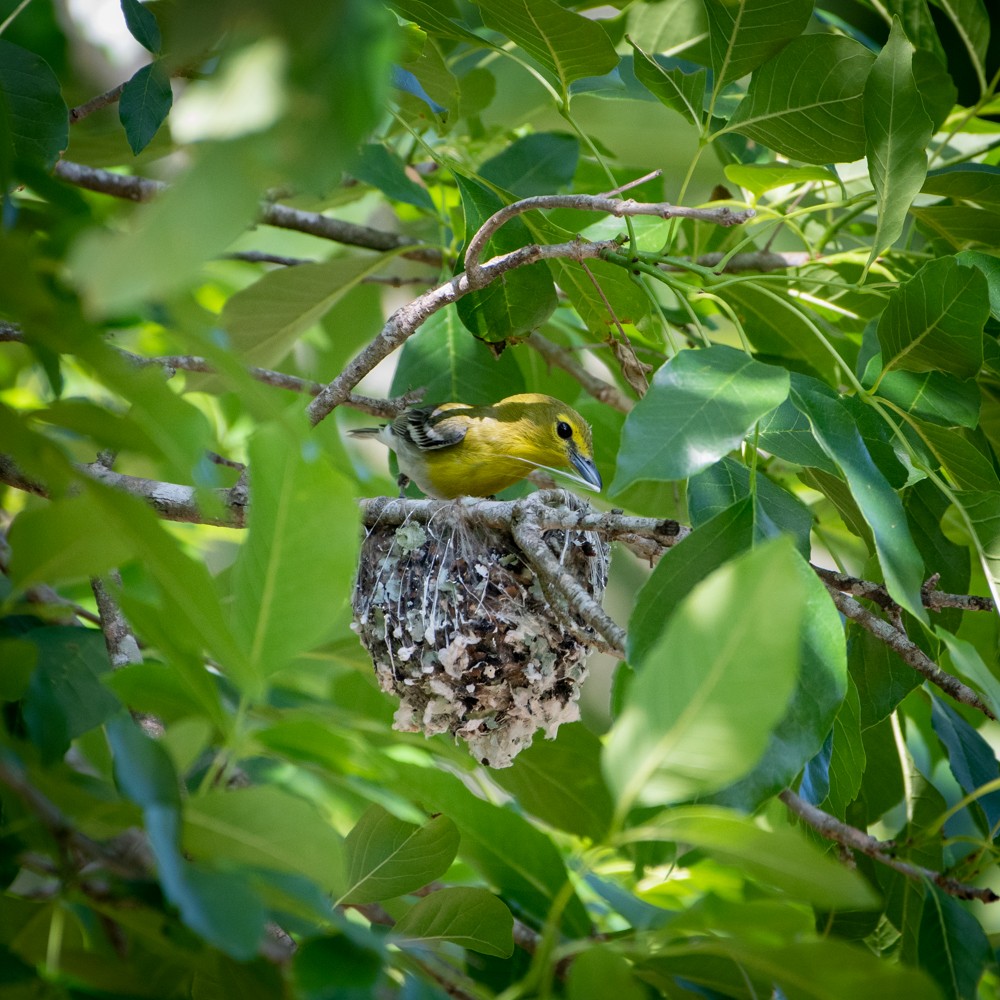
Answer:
(617, 207)
(405, 321)
(603, 392)
(933, 599)
(833, 829)
(141, 189)
(908, 651)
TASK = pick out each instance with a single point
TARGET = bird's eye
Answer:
(564, 430)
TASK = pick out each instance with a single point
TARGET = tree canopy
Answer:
(755, 243)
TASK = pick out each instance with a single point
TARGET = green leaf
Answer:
(776, 511)
(965, 456)
(787, 433)
(471, 918)
(975, 183)
(701, 404)
(683, 566)
(935, 320)
(970, 665)
(65, 697)
(807, 103)
(760, 178)
(962, 226)
(743, 34)
(847, 759)
(521, 300)
(776, 326)
(142, 25)
(567, 45)
(265, 319)
(827, 969)
(937, 90)
(837, 433)
(511, 854)
(560, 782)
(293, 571)
(435, 21)
(953, 947)
(195, 219)
(264, 827)
(781, 858)
(681, 92)
(932, 395)
(330, 968)
(883, 680)
(990, 266)
(539, 163)
(66, 540)
(600, 972)
(381, 168)
(897, 130)
(387, 857)
(31, 102)
(982, 513)
(442, 358)
(730, 650)
(970, 758)
(188, 599)
(972, 22)
(816, 701)
(145, 104)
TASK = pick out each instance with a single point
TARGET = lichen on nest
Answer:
(460, 630)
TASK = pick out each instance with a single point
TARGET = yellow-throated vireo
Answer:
(455, 449)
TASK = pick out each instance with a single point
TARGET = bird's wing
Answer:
(431, 427)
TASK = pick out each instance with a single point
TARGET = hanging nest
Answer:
(460, 630)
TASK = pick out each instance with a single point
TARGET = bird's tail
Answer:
(364, 431)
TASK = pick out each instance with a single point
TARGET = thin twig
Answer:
(95, 104)
(558, 356)
(908, 651)
(722, 216)
(833, 829)
(141, 189)
(933, 599)
(123, 649)
(651, 176)
(405, 321)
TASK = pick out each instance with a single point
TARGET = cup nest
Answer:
(460, 629)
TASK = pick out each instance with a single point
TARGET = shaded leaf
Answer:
(681, 92)
(387, 857)
(264, 827)
(807, 102)
(266, 318)
(560, 782)
(31, 102)
(837, 433)
(721, 657)
(292, 572)
(567, 45)
(699, 406)
(935, 320)
(781, 858)
(472, 918)
(897, 130)
(142, 25)
(743, 34)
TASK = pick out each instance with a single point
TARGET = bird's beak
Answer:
(587, 469)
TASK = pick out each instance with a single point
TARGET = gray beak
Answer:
(587, 469)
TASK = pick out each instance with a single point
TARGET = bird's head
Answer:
(551, 435)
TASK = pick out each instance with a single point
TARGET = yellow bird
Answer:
(456, 450)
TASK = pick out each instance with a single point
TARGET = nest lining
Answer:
(460, 630)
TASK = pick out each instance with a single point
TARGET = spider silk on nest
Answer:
(460, 630)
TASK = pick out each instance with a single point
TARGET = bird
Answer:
(455, 449)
